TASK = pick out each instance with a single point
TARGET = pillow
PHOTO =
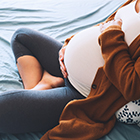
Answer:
(129, 113)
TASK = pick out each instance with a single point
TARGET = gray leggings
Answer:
(29, 110)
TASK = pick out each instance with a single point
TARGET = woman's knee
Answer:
(18, 40)
(18, 34)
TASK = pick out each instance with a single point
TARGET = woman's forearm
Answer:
(120, 69)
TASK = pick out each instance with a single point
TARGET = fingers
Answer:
(65, 74)
(61, 54)
(61, 61)
(119, 22)
(63, 69)
(62, 65)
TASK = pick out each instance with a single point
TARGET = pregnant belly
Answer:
(83, 58)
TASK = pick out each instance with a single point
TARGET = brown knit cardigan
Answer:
(115, 84)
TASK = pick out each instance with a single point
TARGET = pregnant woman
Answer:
(54, 75)
(39, 59)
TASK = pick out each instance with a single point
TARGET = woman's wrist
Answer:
(111, 25)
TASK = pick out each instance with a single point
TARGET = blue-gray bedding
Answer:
(59, 19)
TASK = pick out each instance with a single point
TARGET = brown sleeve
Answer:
(120, 69)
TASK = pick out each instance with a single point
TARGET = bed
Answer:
(59, 19)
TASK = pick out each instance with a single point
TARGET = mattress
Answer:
(59, 19)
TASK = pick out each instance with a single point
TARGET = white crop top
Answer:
(83, 54)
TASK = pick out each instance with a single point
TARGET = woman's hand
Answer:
(61, 61)
(117, 22)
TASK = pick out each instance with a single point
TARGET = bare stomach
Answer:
(83, 58)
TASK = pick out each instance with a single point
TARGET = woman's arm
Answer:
(120, 69)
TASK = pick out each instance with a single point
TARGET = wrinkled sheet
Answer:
(59, 19)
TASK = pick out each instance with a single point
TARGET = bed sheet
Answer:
(59, 19)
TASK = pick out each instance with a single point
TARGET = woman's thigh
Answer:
(29, 110)
(29, 42)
